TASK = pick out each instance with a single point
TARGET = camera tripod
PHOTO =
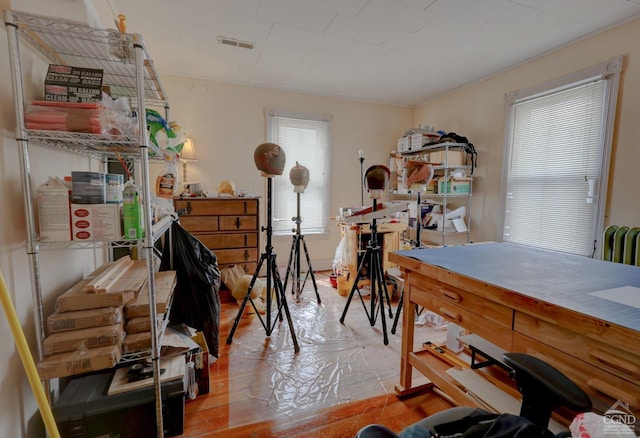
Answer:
(377, 284)
(417, 243)
(273, 277)
(293, 266)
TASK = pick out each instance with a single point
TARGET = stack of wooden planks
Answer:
(87, 332)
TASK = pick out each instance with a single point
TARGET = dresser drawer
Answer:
(484, 318)
(618, 360)
(603, 388)
(238, 223)
(463, 300)
(236, 256)
(218, 207)
(199, 223)
(228, 241)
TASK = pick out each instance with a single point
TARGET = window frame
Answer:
(322, 214)
(610, 72)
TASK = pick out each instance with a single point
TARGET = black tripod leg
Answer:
(283, 303)
(247, 297)
(361, 269)
(310, 272)
(289, 270)
(398, 311)
(382, 292)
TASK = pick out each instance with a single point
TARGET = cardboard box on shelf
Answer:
(450, 158)
(73, 84)
(165, 283)
(74, 340)
(54, 215)
(79, 319)
(455, 185)
(90, 222)
(79, 362)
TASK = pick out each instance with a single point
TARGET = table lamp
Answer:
(188, 153)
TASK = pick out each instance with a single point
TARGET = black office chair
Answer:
(543, 389)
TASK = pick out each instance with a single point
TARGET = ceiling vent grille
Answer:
(235, 43)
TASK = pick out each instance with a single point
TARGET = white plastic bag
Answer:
(342, 256)
(591, 425)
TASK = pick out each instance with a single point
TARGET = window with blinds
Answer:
(557, 160)
(305, 138)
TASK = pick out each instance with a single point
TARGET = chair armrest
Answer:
(544, 388)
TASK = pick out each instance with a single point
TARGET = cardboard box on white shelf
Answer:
(450, 158)
(91, 222)
(54, 218)
(404, 144)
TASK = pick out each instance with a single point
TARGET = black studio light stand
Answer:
(361, 159)
(377, 177)
(264, 157)
(299, 176)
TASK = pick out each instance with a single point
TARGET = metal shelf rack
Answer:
(128, 72)
(445, 170)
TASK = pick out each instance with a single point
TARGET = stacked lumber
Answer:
(137, 312)
(86, 331)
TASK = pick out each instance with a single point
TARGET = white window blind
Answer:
(304, 138)
(557, 165)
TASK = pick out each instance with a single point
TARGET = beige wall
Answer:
(478, 112)
(228, 121)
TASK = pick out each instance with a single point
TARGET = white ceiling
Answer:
(393, 51)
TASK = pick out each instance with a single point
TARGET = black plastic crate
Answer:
(84, 410)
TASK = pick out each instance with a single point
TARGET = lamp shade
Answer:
(188, 152)
(270, 159)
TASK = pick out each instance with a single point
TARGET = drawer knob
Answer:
(451, 315)
(246, 255)
(189, 208)
(238, 222)
(453, 296)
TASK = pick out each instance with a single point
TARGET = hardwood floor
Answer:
(251, 396)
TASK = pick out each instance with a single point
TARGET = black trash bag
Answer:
(196, 302)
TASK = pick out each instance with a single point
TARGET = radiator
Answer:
(621, 245)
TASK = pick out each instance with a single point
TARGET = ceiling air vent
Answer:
(234, 42)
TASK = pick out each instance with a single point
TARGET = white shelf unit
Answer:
(442, 236)
(129, 72)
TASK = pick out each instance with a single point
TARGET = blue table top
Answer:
(557, 278)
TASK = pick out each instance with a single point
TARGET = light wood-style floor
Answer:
(237, 407)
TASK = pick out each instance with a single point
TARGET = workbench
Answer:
(580, 315)
(359, 235)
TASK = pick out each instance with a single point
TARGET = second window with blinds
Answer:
(557, 161)
(305, 138)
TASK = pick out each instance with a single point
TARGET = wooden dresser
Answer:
(227, 226)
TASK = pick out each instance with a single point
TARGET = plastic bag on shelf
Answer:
(109, 116)
(196, 302)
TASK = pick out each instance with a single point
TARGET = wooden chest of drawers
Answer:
(227, 226)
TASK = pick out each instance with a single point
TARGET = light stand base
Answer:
(273, 278)
(293, 269)
(293, 266)
(377, 283)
